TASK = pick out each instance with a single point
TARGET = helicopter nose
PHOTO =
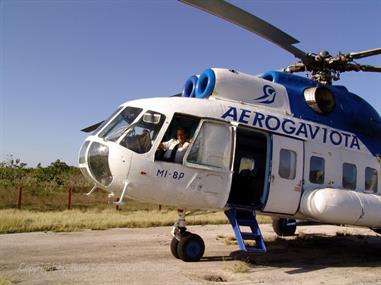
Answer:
(95, 156)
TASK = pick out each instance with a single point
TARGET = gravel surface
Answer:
(317, 255)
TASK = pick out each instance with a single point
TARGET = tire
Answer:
(174, 244)
(191, 248)
(282, 228)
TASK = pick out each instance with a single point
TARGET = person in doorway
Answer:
(174, 149)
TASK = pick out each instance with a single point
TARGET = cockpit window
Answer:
(106, 121)
(120, 124)
(141, 135)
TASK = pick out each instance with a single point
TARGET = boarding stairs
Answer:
(245, 217)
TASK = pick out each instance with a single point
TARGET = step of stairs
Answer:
(246, 217)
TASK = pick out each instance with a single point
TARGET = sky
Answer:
(67, 64)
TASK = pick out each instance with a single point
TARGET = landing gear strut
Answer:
(185, 245)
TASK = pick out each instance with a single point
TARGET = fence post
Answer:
(117, 206)
(19, 197)
(69, 198)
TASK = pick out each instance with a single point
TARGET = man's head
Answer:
(181, 136)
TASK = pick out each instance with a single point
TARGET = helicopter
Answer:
(298, 149)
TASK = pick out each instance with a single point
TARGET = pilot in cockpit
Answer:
(174, 149)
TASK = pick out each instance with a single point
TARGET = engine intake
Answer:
(190, 87)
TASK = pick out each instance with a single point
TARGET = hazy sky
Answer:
(67, 64)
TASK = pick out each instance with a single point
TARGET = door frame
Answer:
(267, 165)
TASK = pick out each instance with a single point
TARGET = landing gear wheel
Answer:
(191, 248)
(284, 227)
(174, 244)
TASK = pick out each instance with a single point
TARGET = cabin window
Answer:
(177, 138)
(371, 180)
(287, 164)
(316, 170)
(246, 163)
(212, 146)
(141, 135)
(349, 176)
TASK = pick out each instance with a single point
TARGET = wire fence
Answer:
(63, 198)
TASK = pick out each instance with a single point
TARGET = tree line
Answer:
(14, 172)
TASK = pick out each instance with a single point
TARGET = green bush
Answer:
(57, 175)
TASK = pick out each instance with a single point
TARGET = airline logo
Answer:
(268, 97)
(303, 130)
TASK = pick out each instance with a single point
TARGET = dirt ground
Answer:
(317, 255)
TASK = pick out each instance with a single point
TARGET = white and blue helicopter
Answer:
(294, 148)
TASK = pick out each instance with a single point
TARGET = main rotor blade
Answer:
(249, 22)
(91, 128)
(370, 68)
(362, 67)
(365, 53)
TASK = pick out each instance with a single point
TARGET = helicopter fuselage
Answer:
(247, 147)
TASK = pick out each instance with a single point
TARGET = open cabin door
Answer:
(250, 169)
(285, 181)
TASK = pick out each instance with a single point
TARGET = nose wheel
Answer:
(185, 245)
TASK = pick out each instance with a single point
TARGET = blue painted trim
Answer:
(271, 76)
(269, 161)
(231, 214)
(302, 182)
(205, 84)
(245, 217)
(352, 113)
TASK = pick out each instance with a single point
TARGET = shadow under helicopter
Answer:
(310, 252)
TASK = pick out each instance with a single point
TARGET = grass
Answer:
(17, 221)
(240, 267)
(45, 200)
(228, 240)
(44, 210)
(4, 281)
(41, 199)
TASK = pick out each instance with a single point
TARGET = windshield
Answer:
(141, 136)
(105, 122)
(120, 123)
